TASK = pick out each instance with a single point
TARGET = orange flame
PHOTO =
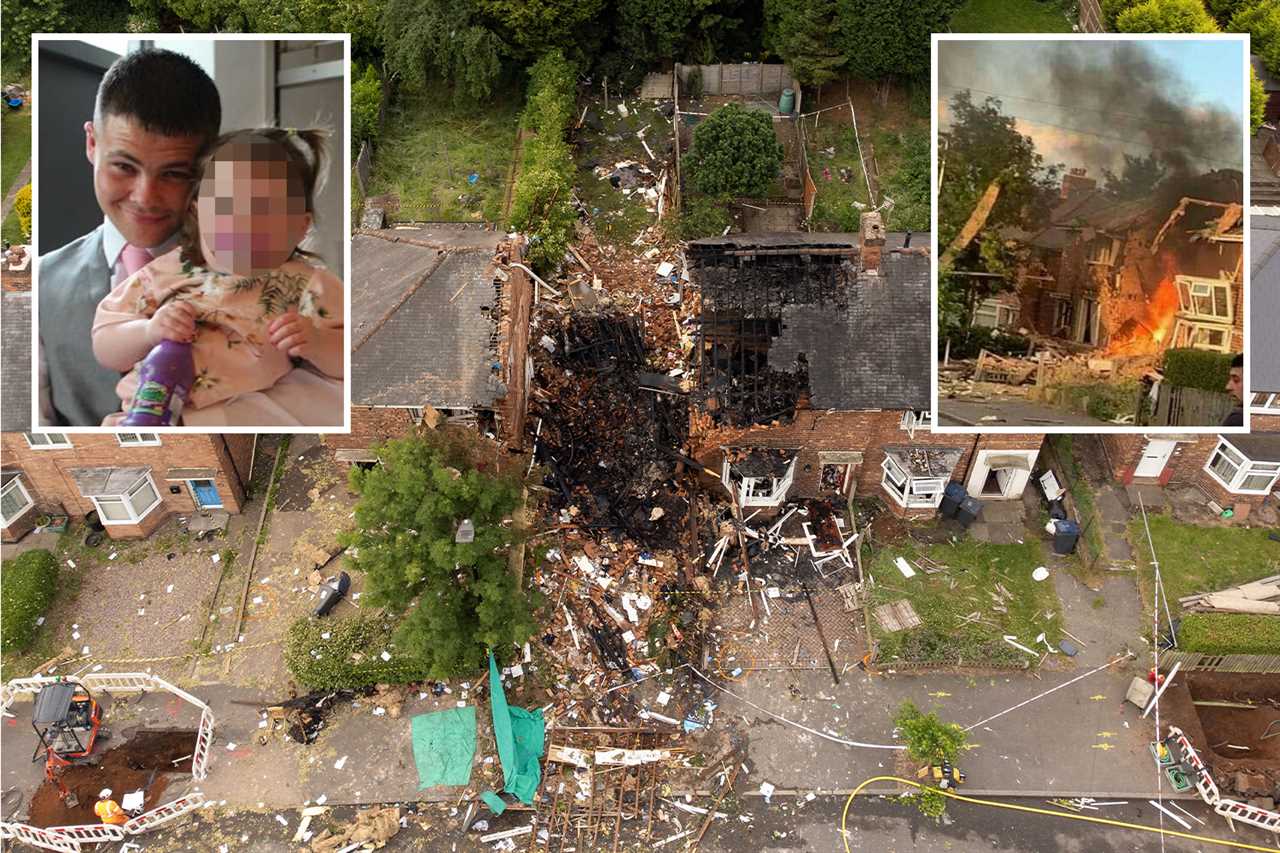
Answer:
(1147, 334)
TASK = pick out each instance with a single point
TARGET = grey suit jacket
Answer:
(71, 281)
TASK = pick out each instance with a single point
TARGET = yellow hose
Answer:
(1033, 810)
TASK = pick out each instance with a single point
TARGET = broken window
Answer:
(835, 478)
(911, 492)
(1211, 336)
(1237, 473)
(1063, 316)
(1205, 299)
(914, 420)
(993, 314)
(1104, 251)
(14, 499)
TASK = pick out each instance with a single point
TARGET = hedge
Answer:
(542, 204)
(28, 585)
(1197, 368)
(350, 656)
(969, 342)
(1229, 634)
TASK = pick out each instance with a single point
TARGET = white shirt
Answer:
(113, 243)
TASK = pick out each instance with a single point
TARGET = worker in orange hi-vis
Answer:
(108, 810)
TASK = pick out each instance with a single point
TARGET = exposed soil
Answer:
(145, 761)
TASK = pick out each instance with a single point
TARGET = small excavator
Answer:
(68, 722)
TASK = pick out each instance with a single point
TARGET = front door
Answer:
(1154, 457)
(206, 494)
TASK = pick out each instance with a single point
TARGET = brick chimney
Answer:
(871, 242)
(1076, 182)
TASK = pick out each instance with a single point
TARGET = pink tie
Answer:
(134, 258)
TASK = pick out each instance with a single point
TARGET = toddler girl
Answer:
(265, 324)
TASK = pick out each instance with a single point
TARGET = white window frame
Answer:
(911, 492)
(1004, 315)
(1192, 288)
(47, 440)
(16, 482)
(1064, 313)
(138, 439)
(1265, 402)
(415, 414)
(766, 491)
(913, 420)
(124, 500)
(1194, 334)
(1244, 468)
(1104, 254)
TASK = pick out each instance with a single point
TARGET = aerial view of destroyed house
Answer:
(645, 534)
(1090, 235)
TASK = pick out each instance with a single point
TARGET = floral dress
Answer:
(233, 354)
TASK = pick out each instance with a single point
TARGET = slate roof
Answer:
(1257, 446)
(1264, 305)
(874, 354)
(15, 369)
(424, 318)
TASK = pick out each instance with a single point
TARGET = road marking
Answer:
(1104, 746)
(941, 694)
(1097, 697)
(1106, 734)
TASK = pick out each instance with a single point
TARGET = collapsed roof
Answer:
(795, 315)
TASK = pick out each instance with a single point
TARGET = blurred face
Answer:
(1235, 383)
(142, 180)
(251, 217)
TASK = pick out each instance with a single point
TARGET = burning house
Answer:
(1137, 277)
(812, 366)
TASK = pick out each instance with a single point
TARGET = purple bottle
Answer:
(165, 378)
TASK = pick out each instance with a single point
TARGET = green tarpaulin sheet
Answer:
(520, 734)
(444, 746)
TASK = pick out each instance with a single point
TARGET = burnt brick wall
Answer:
(866, 432)
(372, 425)
(47, 473)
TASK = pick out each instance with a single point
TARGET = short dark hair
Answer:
(1238, 361)
(166, 92)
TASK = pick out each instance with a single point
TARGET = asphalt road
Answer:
(786, 825)
(1011, 412)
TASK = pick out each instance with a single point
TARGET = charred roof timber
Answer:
(835, 321)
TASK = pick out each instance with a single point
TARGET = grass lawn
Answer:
(890, 130)
(1199, 559)
(431, 147)
(16, 128)
(1011, 16)
(615, 217)
(943, 600)
(11, 231)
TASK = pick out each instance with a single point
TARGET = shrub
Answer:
(693, 83)
(928, 738)
(1262, 21)
(735, 152)
(542, 205)
(966, 343)
(351, 655)
(366, 103)
(28, 585)
(1166, 16)
(1197, 368)
(703, 216)
(22, 206)
(1229, 634)
(1257, 102)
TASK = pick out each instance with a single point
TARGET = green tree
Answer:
(533, 26)
(24, 17)
(443, 39)
(459, 597)
(1261, 20)
(890, 38)
(366, 104)
(1137, 179)
(802, 33)
(929, 740)
(734, 153)
(1257, 102)
(1166, 16)
(984, 145)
